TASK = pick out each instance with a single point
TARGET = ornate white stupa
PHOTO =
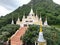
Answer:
(41, 40)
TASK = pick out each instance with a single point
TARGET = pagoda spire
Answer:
(41, 28)
(12, 20)
(31, 11)
(45, 23)
(36, 13)
(40, 20)
(37, 16)
(24, 16)
(18, 20)
(41, 38)
(40, 23)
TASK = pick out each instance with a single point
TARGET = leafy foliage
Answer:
(51, 34)
(7, 31)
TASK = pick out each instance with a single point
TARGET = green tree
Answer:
(51, 34)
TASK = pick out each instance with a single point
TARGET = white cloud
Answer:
(7, 6)
(3, 11)
(57, 1)
(24, 1)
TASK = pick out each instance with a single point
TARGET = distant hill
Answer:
(46, 7)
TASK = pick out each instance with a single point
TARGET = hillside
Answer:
(46, 7)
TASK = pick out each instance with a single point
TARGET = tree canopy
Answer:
(51, 34)
(7, 31)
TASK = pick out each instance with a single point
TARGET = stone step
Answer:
(15, 40)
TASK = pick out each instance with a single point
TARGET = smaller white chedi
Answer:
(46, 23)
(12, 21)
(18, 21)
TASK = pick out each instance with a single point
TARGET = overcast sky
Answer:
(7, 6)
(57, 1)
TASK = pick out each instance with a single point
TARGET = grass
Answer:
(57, 26)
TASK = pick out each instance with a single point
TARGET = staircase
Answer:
(15, 39)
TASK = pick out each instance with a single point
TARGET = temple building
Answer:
(31, 19)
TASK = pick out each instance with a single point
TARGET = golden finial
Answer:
(40, 23)
(40, 28)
